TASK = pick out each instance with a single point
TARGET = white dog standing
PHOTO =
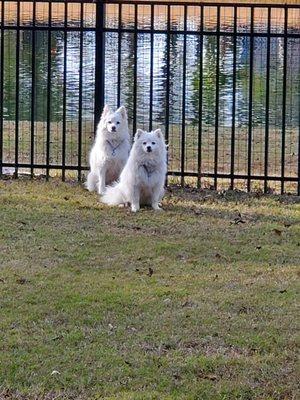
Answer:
(143, 177)
(110, 150)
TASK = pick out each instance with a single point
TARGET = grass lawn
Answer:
(196, 302)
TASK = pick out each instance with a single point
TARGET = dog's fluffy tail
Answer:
(113, 195)
(91, 182)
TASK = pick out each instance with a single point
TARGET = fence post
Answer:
(99, 62)
(1, 86)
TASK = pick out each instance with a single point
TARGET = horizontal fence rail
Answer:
(221, 80)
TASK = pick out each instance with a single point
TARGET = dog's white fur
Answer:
(110, 150)
(142, 179)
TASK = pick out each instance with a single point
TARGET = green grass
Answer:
(216, 320)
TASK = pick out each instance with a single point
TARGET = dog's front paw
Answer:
(156, 207)
(101, 188)
(135, 208)
(123, 205)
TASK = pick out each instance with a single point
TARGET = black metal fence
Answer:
(222, 80)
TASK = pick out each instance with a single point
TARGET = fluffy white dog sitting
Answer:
(142, 179)
(110, 150)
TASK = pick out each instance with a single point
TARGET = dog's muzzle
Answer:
(149, 149)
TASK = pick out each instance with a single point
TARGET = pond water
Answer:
(159, 82)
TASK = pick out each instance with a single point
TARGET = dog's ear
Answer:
(106, 110)
(123, 112)
(159, 133)
(138, 134)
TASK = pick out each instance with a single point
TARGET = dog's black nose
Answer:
(149, 148)
(113, 128)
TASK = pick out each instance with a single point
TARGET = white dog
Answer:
(110, 150)
(143, 177)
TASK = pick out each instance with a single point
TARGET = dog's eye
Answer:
(144, 143)
(153, 143)
(118, 122)
(109, 122)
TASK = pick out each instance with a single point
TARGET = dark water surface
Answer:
(209, 58)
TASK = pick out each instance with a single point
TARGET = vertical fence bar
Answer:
(64, 125)
(266, 167)
(250, 102)
(168, 74)
(80, 92)
(135, 68)
(217, 101)
(1, 86)
(119, 54)
(298, 190)
(32, 91)
(284, 98)
(232, 145)
(99, 62)
(200, 100)
(48, 133)
(151, 68)
(183, 98)
(167, 115)
(17, 92)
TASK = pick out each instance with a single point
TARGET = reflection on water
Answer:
(41, 74)
(209, 58)
(159, 82)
